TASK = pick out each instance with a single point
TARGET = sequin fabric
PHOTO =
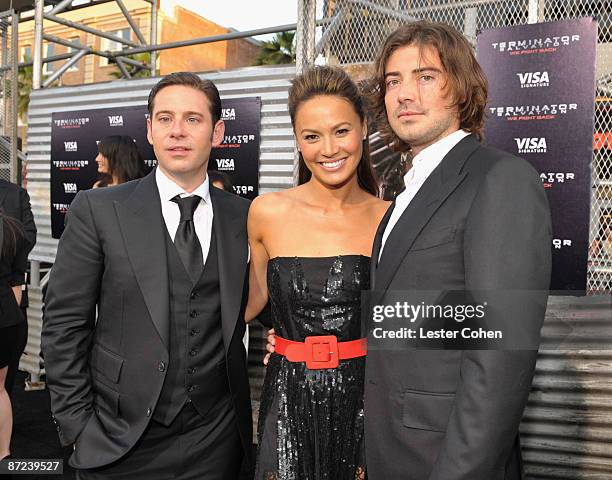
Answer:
(311, 421)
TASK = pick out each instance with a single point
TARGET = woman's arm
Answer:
(258, 288)
(17, 291)
(18, 268)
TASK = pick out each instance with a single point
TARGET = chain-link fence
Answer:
(350, 33)
(8, 96)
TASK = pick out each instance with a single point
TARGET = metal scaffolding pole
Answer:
(60, 71)
(60, 7)
(305, 34)
(131, 21)
(211, 39)
(535, 11)
(78, 46)
(153, 37)
(166, 46)
(93, 31)
(121, 66)
(38, 33)
(121, 57)
(304, 53)
(5, 81)
(14, 94)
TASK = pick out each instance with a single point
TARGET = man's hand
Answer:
(270, 345)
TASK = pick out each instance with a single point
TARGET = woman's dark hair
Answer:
(11, 231)
(222, 178)
(124, 161)
(331, 81)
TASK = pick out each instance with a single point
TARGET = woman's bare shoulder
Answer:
(378, 207)
(377, 203)
(271, 204)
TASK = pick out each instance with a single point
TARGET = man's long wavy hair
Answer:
(335, 82)
(466, 82)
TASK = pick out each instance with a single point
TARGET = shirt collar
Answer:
(168, 189)
(429, 158)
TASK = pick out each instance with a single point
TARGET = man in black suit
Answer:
(472, 218)
(155, 385)
(15, 202)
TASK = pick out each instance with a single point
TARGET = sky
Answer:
(243, 14)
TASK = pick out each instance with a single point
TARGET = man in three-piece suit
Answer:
(472, 218)
(15, 203)
(154, 385)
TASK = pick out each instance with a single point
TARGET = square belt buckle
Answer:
(321, 352)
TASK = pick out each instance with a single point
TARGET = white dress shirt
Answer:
(202, 217)
(423, 164)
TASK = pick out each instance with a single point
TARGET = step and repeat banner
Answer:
(541, 108)
(74, 137)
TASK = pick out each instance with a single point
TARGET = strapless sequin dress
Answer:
(311, 421)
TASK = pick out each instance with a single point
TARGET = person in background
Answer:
(13, 262)
(118, 161)
(15, 203)
(221, 180)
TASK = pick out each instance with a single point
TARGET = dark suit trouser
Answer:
(192, 447)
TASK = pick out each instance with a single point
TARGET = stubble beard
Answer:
(421, 136)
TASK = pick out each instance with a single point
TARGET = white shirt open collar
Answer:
(429, 158)
(423, 164)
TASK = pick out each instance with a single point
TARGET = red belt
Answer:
(320, 352)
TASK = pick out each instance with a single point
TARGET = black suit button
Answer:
(193, 353)
(161, 366)
(194, 331)
(193, 295)
(191, 370)
(149, 412)
(193, 314)
(190, 388)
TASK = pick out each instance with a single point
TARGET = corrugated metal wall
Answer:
(276, 163)
(567, 427)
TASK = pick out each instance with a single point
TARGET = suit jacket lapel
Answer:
(439, 185)
(230, 235)
(378, 242)
(143, 229)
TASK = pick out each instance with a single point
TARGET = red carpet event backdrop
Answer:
(74, 137)
(541, 107)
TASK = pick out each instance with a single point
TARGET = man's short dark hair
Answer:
(189, 79)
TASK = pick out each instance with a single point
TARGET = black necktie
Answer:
(186, 239)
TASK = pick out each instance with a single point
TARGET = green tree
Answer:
(24, 88)
(279, 50)
(134, 71)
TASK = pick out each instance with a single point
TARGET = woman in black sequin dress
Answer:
(310, 248)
